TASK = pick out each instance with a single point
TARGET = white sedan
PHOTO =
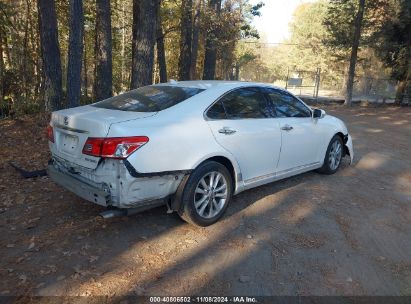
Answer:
(190, 145)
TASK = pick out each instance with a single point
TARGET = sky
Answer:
(275, 18)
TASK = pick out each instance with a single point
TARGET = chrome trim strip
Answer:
(259, 178)
(280, 173)
(70, 129)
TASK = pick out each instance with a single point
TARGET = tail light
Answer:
(114, 147)
(50, 134)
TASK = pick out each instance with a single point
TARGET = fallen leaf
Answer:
(138, 291)
(62, 277)
(23, 278)
(93, 258)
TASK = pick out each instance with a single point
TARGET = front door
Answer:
(301, 137)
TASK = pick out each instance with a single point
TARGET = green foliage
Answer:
(247, 31)
(311, 46)
(236, 17)
(340, 17)
(393, 39)
(339, 22)
(308, 34)
(255, 9)
(19, 66)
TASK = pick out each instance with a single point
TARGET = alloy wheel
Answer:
(210, 194)
(335, 155)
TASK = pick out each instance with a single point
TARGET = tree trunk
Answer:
(161, 55)
(34, 39)
(6, 51)
(196, 36)
(403, 93)
(103, 83)
(186, 36)
(210, 57)
(1, 68)
(26, 52)
(75, 53)
(354, 51)
(237, 72)
(85, 70)
(50, 54)
(144, 39)
(399, 94)
(123, 44)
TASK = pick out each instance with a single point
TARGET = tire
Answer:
(332, 159)
(203, 205)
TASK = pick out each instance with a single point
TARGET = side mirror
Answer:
(318, 113)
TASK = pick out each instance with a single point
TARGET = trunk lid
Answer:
(73, 126)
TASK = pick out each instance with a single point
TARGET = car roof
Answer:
(208, 84)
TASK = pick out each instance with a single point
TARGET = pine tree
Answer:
(186, 35)
(75, 53)
(210, 57)
(144, 39)
(50, 54)
(103, 50)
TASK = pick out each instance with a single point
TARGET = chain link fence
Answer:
(315, 84)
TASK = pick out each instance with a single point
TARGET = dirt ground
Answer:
(345, 234)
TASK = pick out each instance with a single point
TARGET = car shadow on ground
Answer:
(238, 228)
(114, 237)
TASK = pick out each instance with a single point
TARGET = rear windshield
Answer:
(149, 98)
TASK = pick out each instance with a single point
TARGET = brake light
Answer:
(93, 146)
(50, 134)
(113, 147)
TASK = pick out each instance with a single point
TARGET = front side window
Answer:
(149, 98)
(286, 105)
(245, 103)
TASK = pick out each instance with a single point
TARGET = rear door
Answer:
(241, 122)
(301, 136)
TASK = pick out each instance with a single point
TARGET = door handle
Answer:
(226, 131)
(287, 128)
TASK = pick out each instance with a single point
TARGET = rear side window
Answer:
(216, 111)
(245, 103)
(149, 98)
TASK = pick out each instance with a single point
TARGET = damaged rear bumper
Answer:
(80, 188)
(112, 185)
